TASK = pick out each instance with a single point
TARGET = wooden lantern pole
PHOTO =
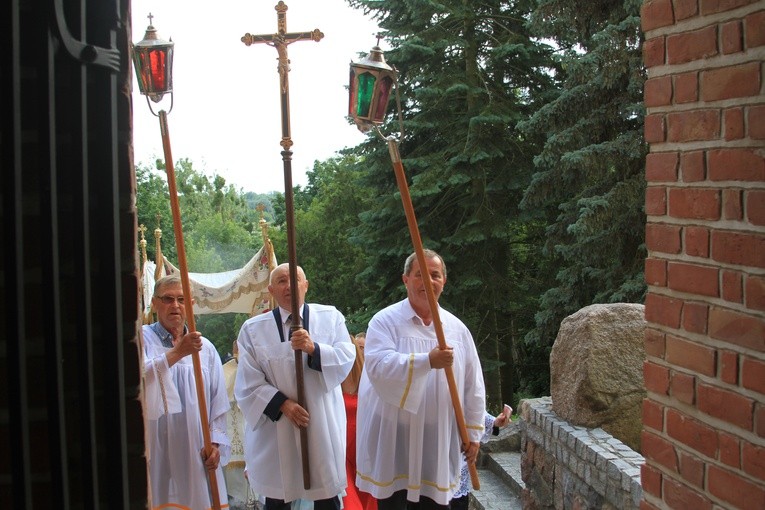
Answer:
(414, 232)
(280, 41)
(180, 247)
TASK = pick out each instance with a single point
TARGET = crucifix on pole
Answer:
(280, 40)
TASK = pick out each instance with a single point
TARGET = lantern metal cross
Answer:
(371, 81)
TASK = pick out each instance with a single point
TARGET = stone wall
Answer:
(570, 467)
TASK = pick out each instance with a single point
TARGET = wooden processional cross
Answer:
(280, 40)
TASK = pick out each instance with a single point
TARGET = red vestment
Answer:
(354, 499)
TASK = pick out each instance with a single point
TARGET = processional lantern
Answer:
(371, 82)
(153, 62)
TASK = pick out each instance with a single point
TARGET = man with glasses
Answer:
(177, 462)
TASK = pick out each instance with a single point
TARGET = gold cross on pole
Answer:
(280, 40)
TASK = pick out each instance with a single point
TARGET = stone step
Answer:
(494, 494)
(506, 465)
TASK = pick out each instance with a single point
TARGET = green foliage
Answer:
(589, 176)
(222, 329)
(331, 258)
(153, 207)
(253, 200)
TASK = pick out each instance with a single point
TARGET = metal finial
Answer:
(142, 242)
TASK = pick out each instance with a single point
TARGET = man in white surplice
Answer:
(266, 391)
(408, 447)
(177, 466)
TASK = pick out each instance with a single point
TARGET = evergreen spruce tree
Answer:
(589, 177)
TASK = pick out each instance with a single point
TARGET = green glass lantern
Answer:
(371, 82)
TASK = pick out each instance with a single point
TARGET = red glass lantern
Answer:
(371, 82)
(153, 61)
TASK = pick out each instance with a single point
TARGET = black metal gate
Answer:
(71, 425)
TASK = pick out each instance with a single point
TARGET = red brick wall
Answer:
(704, 418)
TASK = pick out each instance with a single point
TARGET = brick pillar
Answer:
(704, 417)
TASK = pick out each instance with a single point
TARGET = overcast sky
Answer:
(226, 114)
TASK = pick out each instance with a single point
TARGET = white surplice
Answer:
(176, 469)
(407, 435)
(272, 449)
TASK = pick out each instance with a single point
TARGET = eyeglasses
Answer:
(169, 300)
